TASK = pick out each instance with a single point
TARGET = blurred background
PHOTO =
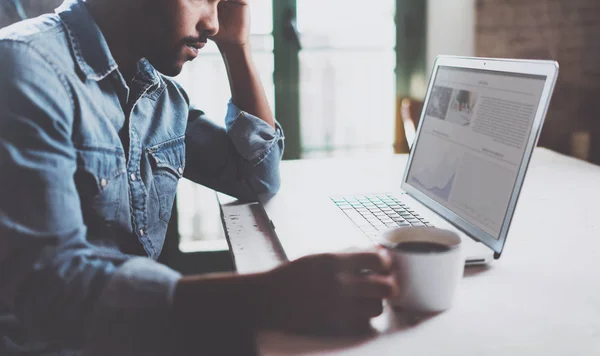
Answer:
(336, 73)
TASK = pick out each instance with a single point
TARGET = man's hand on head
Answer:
(233, 40)
(234, 23)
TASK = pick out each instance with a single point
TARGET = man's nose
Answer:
(209, 24)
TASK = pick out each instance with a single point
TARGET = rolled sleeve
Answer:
(252, 137)
(241, 160)
(131, 316)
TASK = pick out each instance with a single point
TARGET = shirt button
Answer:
(180, 170)
(132, 176)
(141, 232)
(103, 182)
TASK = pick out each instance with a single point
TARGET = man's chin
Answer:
(171, 71)
(170, 68)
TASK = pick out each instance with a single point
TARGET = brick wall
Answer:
(565, 30)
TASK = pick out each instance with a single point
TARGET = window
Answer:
(347, 80)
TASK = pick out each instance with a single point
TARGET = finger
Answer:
(352, 324)
(368, 308)
(357, 318)
(371, 286)
(350, 316)
(379, 261)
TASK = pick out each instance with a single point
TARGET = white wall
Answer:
(450, 28)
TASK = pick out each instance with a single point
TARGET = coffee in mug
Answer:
(428, 266)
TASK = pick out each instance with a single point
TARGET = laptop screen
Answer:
(472, 140)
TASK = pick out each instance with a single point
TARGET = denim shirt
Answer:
(89, 167)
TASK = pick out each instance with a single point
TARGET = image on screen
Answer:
(472, 141)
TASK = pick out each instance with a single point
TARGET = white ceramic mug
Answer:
(428, 266)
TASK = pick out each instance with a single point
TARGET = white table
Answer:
(541, 298)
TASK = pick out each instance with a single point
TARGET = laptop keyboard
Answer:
(375, 213)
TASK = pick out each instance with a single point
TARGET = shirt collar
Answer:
(89, 46)
(87, 42)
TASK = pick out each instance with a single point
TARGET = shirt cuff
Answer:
(131, 317)
(252, 137)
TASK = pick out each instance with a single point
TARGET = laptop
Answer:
(480, 122)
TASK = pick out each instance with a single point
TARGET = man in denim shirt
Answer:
(93, 140)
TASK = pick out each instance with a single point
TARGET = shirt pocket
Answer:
(100, 183)
(168, 165)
